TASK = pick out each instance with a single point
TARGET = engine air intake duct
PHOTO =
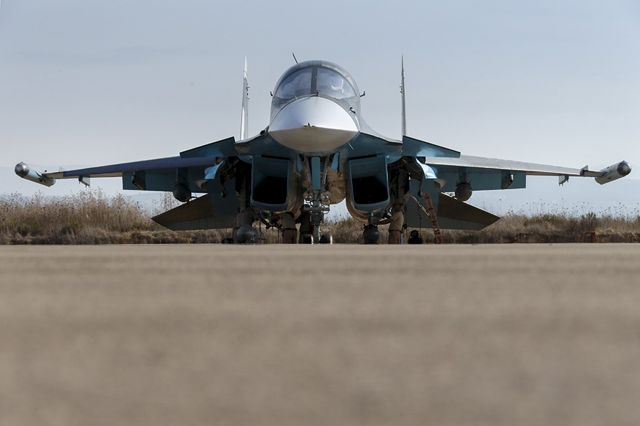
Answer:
(369, 183)
(271, 183)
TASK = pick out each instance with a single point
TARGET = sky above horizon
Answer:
(85, 82)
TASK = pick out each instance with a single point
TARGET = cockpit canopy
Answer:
(315, 78)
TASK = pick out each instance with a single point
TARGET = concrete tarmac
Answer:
(321, 335)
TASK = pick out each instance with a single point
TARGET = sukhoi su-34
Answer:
(316, 152)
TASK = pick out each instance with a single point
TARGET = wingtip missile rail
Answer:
(613, 172)
(25, 172)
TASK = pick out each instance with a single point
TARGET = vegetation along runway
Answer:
(301, 335)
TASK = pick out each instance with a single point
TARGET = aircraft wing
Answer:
(117, 170)
(156, 174)
(451, 167)
(471, 164)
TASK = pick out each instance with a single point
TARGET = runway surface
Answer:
(340, 335)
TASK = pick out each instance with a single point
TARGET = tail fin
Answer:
(402, 92)
(244, 119)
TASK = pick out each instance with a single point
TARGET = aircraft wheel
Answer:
(305, 229)
(415, 238)
(316, 232)
(247, 235)
(371, 235)
(326, 239)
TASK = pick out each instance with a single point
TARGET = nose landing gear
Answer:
(316, 202)
(310, 229)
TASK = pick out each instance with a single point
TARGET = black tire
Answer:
(306, 239)
(326, 239)
(371, 235)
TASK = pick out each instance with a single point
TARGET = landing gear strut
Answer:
(289, 232)
(243, 230)
(399, 186)
(396, 225)
(316, 202)
(310, 225)
(316, 220)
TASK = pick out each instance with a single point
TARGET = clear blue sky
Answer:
(86, 82)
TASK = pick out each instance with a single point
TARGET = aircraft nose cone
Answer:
(313, 125)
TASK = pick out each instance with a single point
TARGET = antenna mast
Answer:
(402, 92)
(244, 119)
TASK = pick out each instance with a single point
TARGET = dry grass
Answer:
(548, 228)
(93, 218)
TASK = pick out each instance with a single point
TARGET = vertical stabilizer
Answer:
(402, 92)
(244, 119)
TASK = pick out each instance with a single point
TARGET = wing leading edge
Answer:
(117, 170)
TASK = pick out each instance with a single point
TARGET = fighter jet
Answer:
(317, 151)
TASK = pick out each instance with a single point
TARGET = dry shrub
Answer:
(552, 228)
(348, 230)
(89, 217)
